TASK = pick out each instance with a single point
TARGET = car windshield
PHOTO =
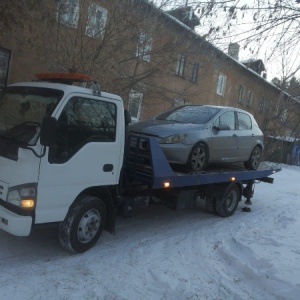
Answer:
(190, 114)
(22, 110)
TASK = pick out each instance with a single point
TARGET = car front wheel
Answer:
(254, 160)
(198, 158)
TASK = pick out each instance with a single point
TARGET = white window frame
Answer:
(241, 94)
(68, 12)
(195, 70)
(283, 116)
(221, 84)
(180, 65)
(262, 104)
(133, 97)
(97, 17)
(144, 46)
(5, 55)
(178, 102)
(249, 98)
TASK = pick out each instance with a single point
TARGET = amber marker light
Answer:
(166, 184)
(232, 178)
(27, 203)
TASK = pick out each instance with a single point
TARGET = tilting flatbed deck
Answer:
(221, 187)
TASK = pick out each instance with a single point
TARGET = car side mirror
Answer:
(48, 131)
(224, 127)
(221, 127)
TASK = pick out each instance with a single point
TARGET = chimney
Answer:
(233, 50)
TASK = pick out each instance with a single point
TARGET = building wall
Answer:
(39, 43)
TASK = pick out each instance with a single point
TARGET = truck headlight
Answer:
(173, 139)
(23, 196)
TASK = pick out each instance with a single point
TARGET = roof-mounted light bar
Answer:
(70, 78)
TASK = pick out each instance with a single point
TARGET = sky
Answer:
(162, 254)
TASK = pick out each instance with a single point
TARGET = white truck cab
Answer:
(61, 146)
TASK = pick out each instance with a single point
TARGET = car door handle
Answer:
(234, 135)
(108, 167)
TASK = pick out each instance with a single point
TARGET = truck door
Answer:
(88, 153)
(224, 139)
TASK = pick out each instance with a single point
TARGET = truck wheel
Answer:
(254, 160)
(83, 224)
(198, 157)
(227, 203)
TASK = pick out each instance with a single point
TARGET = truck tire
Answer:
(83, 224)
(227, 202)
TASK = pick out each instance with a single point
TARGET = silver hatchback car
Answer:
(196, 135)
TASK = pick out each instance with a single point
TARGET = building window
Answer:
(144, 46)
(241, 94)
(180, 65)
(283, 116)
(96, 21)
(135, 100)
(4, 66)
(180, 101)
(194, 74)
(221, 85)
(262, 104)
(68, 12)
(281, 113)
(249, 99)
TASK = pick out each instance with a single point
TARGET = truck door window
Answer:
(82, 121)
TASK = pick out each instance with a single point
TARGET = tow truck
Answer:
(66, 158)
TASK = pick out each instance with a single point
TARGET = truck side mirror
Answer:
(48, 131)
(127, 117)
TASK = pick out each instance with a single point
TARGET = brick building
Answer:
(153, 59)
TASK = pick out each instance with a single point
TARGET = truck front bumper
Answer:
(13, 223)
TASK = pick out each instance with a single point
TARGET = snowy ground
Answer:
(165, 254)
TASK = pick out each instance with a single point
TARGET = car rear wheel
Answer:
(254, 160)
(198, 158)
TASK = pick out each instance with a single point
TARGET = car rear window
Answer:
(190, 114)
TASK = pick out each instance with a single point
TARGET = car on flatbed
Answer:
(197, 135)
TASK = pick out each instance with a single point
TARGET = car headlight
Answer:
(173, 139)
(23, 196)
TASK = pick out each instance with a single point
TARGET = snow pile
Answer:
(165, 254)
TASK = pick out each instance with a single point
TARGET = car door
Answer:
(246, 136)
(224, 139)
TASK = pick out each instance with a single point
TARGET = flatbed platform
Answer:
(147, 164)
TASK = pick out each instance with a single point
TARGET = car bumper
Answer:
(15, 224)
(177, 153)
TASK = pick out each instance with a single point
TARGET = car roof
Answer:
(218, 106)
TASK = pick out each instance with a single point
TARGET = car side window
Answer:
(244, 121)
(227, 119)
(82, 121)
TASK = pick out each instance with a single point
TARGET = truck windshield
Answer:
(22, 110)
